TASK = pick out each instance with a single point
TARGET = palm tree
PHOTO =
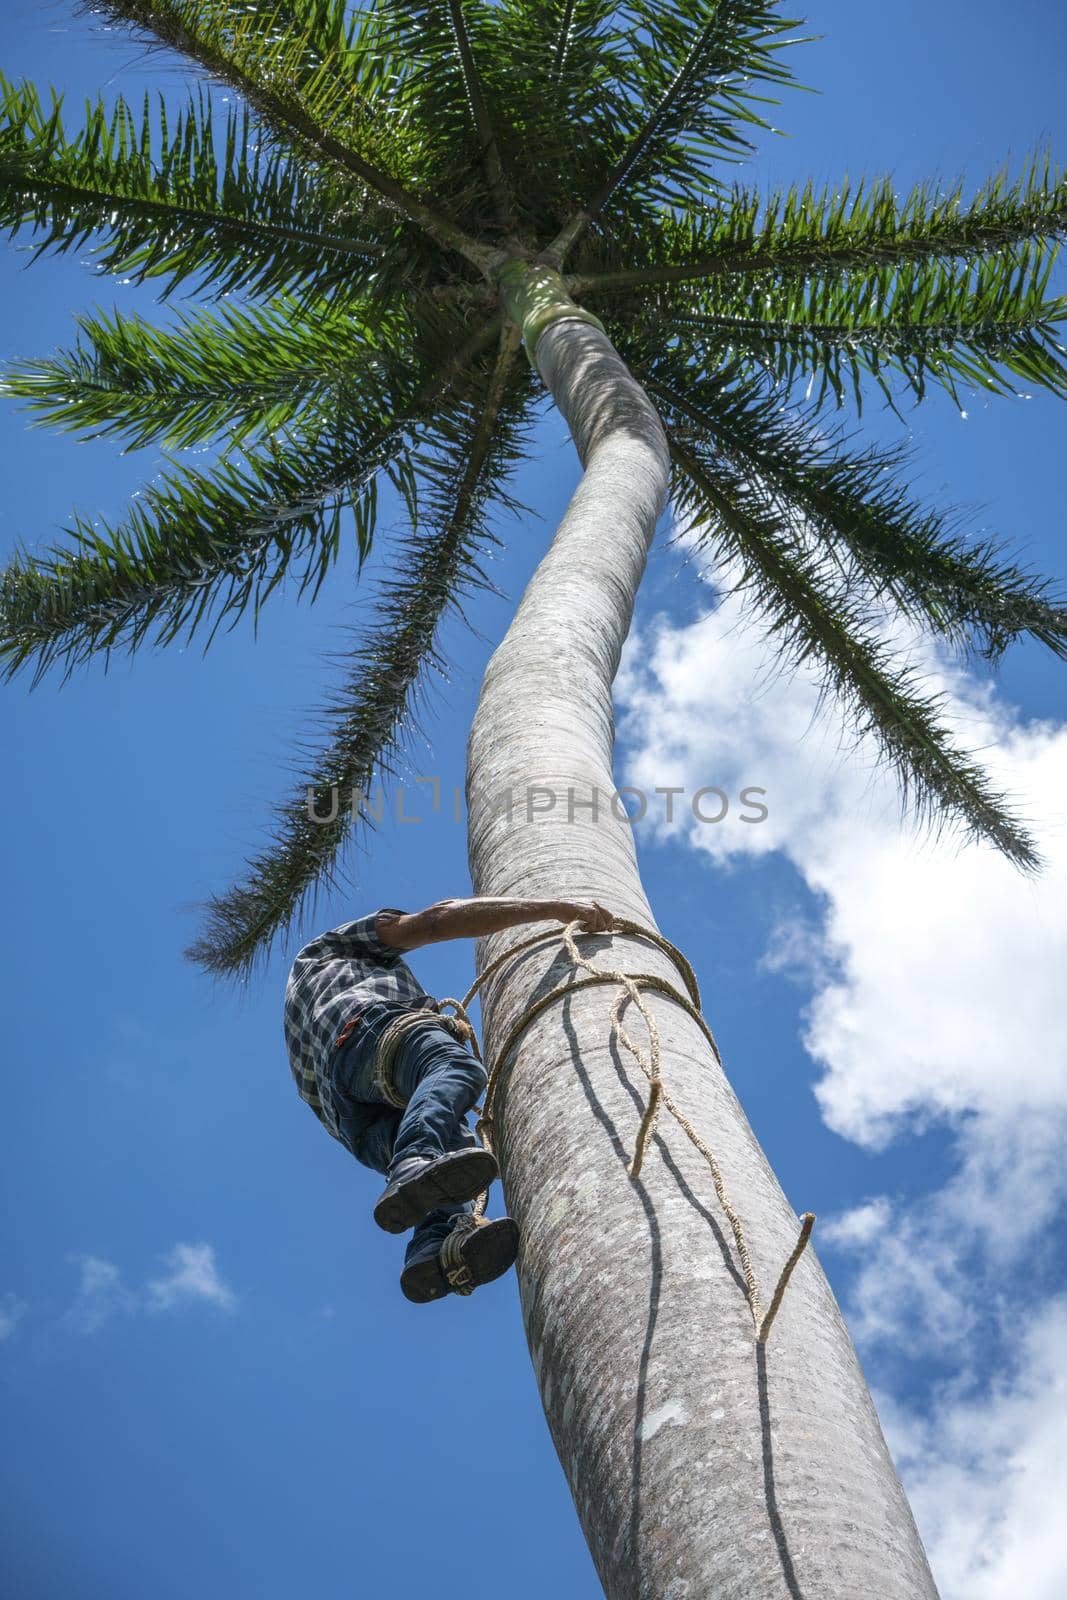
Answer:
(410, 196)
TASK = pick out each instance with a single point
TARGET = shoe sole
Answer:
(450, 1181)
(487, 1253)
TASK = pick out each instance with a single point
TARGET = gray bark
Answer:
(701, 1466)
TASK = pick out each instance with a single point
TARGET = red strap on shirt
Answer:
(348, 1030)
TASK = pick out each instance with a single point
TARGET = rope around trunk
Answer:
(630, 985)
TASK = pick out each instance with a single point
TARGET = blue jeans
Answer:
(441, 1081)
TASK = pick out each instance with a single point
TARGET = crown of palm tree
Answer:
(368, 237)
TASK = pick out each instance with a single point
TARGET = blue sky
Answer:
(209, 1379)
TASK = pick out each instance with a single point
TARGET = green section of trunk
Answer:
(535, 297)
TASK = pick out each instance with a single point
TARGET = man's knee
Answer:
(461, 1065)
(460, 1060)
(479, 1077)
(370, 1138)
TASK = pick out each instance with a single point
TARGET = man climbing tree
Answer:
(390, 1077)
(412, 196)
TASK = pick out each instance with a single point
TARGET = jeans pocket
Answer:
(351, 1069)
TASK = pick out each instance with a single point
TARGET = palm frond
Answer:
(202, 547)
(466, 464)
(449, 56)
(332, 107)
(562, 74)
(910, 557)
(983, 323)
(173, 198)
(806, 231)
(195, 547)
(817, 623)
(556, 79)
(700, 67)
(238, 372)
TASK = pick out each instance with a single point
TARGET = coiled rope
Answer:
(630, 985)
(392, 1037)
(453, 1265)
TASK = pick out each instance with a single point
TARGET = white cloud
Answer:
(191, 1275)
(12, 1311)
(938, 969)
(858, 1228)
(987, 1473)
(101, 1295)
(932, 1275)
(936, 975)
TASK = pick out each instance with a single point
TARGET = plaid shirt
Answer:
(332, 977)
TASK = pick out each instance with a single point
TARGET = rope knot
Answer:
(453, 1265)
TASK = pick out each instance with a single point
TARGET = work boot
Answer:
(422, 1182)
(472, 1254)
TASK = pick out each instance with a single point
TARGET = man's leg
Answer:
(421, 1150)
(437, 1224)
(369, 1132)
(376, 1150)
(441, 1081)
(475, 1255)
(438, 1078)
(367, 1123)
(370, 1136)
(436, 1162)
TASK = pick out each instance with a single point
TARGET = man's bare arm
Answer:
(471, 919)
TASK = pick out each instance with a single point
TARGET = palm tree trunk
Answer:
(701, 1465)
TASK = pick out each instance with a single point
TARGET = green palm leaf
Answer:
(535, 85)
(570, 89)
(452, 52)
(816, 621)
(802, 231)
(170, 198)
(196, 547)
(201, 547)
(698, 66)
(464, 466)
(981, 323)
(331, 108)
(242, 373)
(870, 526)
